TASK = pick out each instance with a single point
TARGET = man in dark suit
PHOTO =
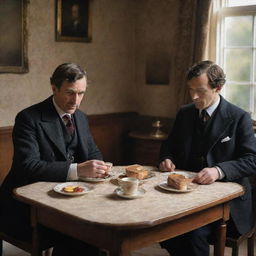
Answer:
(52, 142)
(215, 139)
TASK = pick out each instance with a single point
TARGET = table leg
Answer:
(119, 249)
(220, 239)
(35, 235)
(118, 252)
(115, 253)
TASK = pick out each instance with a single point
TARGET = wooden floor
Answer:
(154, 250)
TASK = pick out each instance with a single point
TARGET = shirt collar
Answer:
(60, 112)
(212, 108)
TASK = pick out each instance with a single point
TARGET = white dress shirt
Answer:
(72, 171)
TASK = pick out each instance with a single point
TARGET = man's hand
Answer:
(167, 165)
(92, 169)
(207, 176)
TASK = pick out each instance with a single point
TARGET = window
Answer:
(236, 50)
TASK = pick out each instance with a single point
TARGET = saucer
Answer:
(96, 179)
(140, 192)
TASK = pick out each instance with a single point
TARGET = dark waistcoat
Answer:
(197, 160)
(71, 143)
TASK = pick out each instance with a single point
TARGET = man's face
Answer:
(70, 95)
(202, 94)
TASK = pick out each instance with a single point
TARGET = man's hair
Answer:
(70, 72)
(214, 73)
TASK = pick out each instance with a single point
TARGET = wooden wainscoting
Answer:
(6, 151)
(109, 132)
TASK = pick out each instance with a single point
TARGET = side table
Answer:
(144, 148)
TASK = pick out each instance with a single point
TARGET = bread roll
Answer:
(136, 171)
(178, 181)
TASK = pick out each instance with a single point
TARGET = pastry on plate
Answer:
(136, 171)
(178, 181)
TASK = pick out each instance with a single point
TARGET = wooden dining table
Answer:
(121, 225)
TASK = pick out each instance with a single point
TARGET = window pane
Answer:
(254, 110)
(239, 95)
(238, 31)
(240, 2)
(238, 64)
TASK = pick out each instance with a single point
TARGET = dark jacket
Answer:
(230, 144)
(40, 152)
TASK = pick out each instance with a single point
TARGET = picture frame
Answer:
(73, 20)
(14, 41)
(158, 68)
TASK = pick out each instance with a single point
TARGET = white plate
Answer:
(96, 179)
(165, 186)
(150, 176)
(139, 193)
(58, 188)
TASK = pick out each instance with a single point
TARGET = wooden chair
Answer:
(6, 149)
(25, 246)
(234, 243)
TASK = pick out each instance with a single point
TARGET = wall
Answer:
(108, 59)
(125, 33)
(156, 29)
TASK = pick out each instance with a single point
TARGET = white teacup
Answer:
(129, 185)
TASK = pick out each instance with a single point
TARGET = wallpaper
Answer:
(125, 34)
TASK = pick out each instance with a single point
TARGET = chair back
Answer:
(234, 242)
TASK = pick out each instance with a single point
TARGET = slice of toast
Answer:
(137, 171)
(178, 181)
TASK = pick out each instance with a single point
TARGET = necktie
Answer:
(69, 124)
(204, 116)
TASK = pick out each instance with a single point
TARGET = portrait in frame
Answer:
(73, 20)
(158, 67)
(13, 42)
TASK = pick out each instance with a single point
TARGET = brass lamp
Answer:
(157, 133)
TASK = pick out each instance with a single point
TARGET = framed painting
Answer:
(73, 20)
(13, 42)
(158, 67)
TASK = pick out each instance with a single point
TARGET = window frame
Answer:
(220, 11)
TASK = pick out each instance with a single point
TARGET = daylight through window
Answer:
(236, 50)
